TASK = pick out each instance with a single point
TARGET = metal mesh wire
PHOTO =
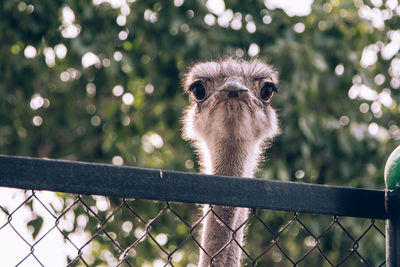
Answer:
(110, 231)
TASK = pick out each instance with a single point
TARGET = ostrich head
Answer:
(231, 105)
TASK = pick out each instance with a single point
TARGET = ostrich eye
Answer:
(267, 91)
(198, 90)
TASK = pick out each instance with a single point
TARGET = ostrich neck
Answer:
(233, 158)
(223, 224)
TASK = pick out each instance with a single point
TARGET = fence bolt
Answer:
(392, 206)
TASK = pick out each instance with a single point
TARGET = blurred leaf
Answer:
(37, 225)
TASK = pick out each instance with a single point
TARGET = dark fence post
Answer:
(392, 205)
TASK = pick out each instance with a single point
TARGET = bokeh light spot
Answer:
(37, 120)
(254, 49)
(30, 51)
(128, 99)
(118, 90)
(117, 160)
(299, 27)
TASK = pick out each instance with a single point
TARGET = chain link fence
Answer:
(60, 213)
(110, 231)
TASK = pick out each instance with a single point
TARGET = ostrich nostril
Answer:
(233, 94)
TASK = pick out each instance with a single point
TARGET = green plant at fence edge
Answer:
(392, 170)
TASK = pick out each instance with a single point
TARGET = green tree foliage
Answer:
(100, 82)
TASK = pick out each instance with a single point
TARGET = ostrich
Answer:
(228, 122)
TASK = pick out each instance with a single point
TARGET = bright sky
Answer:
(51, 251)
(292, 8)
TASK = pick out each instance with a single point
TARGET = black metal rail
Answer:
(129, 182)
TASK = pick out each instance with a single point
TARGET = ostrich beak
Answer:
(233, 89)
